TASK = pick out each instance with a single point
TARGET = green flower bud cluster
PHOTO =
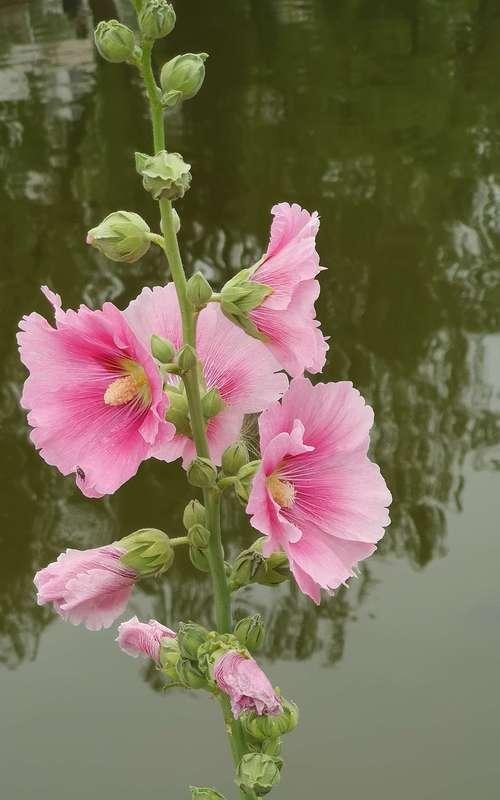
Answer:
(251, 567)
(121, 236)
(115, 42)
(182, 77)
(164, 175)
(147, 551)
(156, 19)
(250, 632)
(258, 772)
(241, 295)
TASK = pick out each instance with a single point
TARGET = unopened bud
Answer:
(258, 772)
(199, 536)
(199, 291)
(156, 19)
(245, 568)
(147, 551)
(178, 412)
(199, 559)
(189, 674)
(212, 403)
(190, 636)
(234, 458)
(169, 656)
(201, 472)
(263, 727)
(198, 793)
(194, 514)
(114, 41)
(162, 349)
(164, 175)
(121, 236)
(182, 77)
(243, 486)
(275, 569)
(272, 747)
(186, 358)
(250, 632)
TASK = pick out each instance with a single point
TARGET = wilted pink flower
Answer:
(246, 685)
(89, 586)
(240, 367)
(317, 495)
(287, 316)
(94, 395)
(143, 638)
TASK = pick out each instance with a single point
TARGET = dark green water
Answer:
(385, 116)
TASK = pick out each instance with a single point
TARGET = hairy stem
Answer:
(236, 740)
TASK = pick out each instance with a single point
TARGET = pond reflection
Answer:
(387, 122)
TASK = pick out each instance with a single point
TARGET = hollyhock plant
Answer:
(246, 685)
(287, 317)
(89, 586)
(143, 638)
(240, 367)
(316, 495)
(94, 395)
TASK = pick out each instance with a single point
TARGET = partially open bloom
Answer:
(246, 685)
(316, 495)
(94, 395)
(89, 586)
(287, 317)
(143, 638)
(239, 367)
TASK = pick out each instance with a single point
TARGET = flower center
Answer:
(133, 384)
(282, 492)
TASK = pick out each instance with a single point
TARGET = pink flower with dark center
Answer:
(287, 317)
(94, 395)
(246, 685)
(241, 368)
(143, 638)
(316, 495)
(89, 586)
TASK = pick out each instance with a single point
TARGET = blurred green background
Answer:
(384, 116)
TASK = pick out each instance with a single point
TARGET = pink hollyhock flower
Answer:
(143, 638)
(240, 367)
(94, 395)
(246, 685)
(287, 317)
(89, 586)
(316, 495)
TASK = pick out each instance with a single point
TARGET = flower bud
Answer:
(164, 175)
(121, 236)
(162, 349)
(156, 19)
(186, 358)
(199, 559)
(239, 296)
(199, 536)
(276, 568)
(258, 771)
(189, 674)
(272, 747)
(169, 656)
(178, 412)
(148, 551)
(250, 632)
(114, 41)
(189, 638)
(198, 793)
(234, 458)
(245, 568)
(212, 403)
(181, 78)
(201, 472)
(263, 727)
(194, 514)
(199, 291)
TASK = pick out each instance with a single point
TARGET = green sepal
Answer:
(147, 551)
(205, 793)
(212, 403)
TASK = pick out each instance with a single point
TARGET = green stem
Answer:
(178, 541)
(236, 740)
